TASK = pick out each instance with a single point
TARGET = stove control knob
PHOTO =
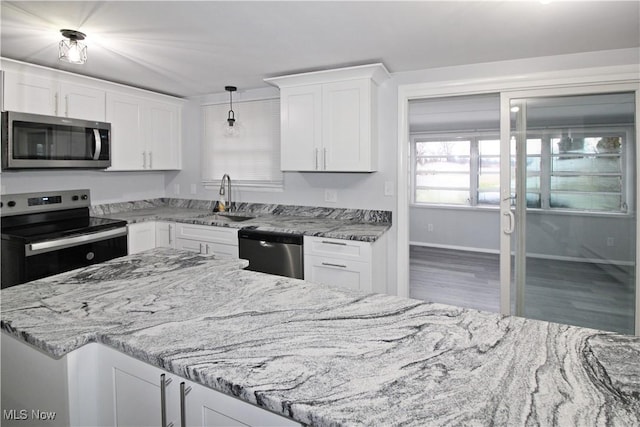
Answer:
(75, 198)
(90, 256)
(11, 203)
(84, 197)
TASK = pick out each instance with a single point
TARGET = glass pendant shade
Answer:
(232, 128)
(71, 49)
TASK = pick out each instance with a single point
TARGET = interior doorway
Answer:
(506, 223)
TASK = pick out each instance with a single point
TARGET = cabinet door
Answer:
(29, 94)
(210, 408)
(162, 136)
(336, 272)
(190, 245)
(81, 102)
(141, 237)
(128, 150)
(165, 234)
(346, 126)
(301, 129)
(221, 250)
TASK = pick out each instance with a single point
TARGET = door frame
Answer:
(568, 79)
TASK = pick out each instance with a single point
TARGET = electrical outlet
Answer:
(610, 241)
(330, 196)
(193, 189)
(429, 227)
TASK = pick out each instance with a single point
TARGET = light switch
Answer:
(388, 188)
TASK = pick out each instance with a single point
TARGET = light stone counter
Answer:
(366, 226)
(332, 357)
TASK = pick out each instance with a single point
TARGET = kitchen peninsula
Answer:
(325, 356)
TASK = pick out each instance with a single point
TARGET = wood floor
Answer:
(574, 293)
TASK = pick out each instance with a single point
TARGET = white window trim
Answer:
(627, 155)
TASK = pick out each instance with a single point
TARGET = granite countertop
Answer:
(327, 356)
(306, 225)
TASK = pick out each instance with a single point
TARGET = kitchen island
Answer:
(327, 356)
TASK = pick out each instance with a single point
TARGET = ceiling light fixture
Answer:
(71, 49)
(232, 127)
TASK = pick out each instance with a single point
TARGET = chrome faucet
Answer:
(222, 192)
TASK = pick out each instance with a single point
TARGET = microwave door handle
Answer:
(96, 136)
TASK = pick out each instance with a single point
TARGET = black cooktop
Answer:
(55, 225)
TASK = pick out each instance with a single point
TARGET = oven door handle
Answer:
(52, 245)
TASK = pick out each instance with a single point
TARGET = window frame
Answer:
(627, 154)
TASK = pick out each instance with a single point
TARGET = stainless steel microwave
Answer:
(33, 141)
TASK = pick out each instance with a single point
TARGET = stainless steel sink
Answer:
(229, 217)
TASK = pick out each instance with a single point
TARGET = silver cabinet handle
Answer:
(55, 107)
(66, 105)
(183, 407)
(144, 160)
(315, 159)
(164, 382)
(150, 159)
(324, 159)
(334, 243)
(200, 244)
(328, 264)
(207, 248)
(170, 227)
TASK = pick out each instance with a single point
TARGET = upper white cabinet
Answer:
(328, 119)
(145, 126)
(145, 133)
(34, 94)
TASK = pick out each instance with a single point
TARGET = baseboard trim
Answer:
(533, 255)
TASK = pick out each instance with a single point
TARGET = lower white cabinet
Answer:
(205, 239)
(165, 234)
(96, 385)
(141, 236)
(346, 263)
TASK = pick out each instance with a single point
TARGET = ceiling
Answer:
(189, 48)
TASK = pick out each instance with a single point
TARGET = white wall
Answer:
(106, 187)
(354, 190)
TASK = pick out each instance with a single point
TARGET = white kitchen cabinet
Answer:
(162, 125)
(141, 236)
(329, 119)
(205, 239)
(346, 263)
(36, 94)
(165, 234)
(145, 134)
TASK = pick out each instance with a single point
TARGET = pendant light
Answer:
(231, 129)
(71, 49)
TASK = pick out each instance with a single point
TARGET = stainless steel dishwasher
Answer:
(272, 252)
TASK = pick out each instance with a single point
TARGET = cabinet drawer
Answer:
(343, 273)
(227, 236)
(220, 250)
(337, 248)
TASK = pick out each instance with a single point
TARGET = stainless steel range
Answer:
(47, 233)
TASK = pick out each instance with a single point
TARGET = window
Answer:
(578, 169)
(251, 158)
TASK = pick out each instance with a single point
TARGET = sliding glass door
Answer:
(568, 206)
